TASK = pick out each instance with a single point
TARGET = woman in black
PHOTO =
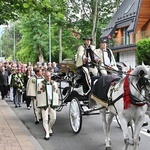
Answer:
(27, 98)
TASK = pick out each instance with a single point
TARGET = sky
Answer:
(2, 27)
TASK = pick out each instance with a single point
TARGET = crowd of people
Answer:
(23, 83)
(26, 83)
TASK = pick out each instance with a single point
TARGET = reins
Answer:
(136, 100)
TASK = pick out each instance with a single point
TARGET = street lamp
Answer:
(49, 38)
(14, 43)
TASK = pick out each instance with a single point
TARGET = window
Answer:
(126, 37)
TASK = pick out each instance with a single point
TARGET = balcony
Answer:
(127, 41)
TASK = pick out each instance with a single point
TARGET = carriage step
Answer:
(85, 108)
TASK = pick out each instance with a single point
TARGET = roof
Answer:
(126, 15)
(144, 14)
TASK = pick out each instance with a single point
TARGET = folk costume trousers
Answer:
(36, 110)
(48, 122)
(86, 71)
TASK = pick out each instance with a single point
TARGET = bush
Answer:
(143, 51)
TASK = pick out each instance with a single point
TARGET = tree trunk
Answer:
(60, 44)
(94, 21)
(40, 55)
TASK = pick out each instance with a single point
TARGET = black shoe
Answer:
(36, 122)
(46, 138)
(16, 106)
(40, 119)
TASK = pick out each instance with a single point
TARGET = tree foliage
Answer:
(34, 42)
(12, 9)
(8, 41)
(71, 20)
(143, 51)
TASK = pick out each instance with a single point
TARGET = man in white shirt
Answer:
(105, 57)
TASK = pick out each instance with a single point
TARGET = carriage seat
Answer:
(101, 87)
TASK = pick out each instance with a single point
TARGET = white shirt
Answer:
(106, 58)
(49, 91)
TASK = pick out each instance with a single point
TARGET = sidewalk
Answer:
(13, 133)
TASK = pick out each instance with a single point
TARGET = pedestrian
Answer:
(4, 76)
(56, 69)
(31, 91)
(18, 84)
(25, 97)
(1, 85)
(11, 87)
(47, 92)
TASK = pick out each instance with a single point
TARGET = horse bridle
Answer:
(135, 100)
(141, 84)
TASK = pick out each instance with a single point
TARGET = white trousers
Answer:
(94, 71)
(48, 124)
(36, 110)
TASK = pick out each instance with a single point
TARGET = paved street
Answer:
(91, 136)
(13, 134)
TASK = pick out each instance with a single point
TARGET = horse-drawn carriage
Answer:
(138, 96)
(71, 91)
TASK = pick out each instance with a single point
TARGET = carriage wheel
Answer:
(75, 115)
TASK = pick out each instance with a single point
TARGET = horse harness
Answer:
(141, 84)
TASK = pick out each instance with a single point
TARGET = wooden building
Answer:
(129, 24)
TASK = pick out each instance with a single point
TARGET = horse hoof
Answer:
(108, 148)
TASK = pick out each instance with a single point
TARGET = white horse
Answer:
(130, 104)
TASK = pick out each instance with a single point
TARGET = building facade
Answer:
(129, 24)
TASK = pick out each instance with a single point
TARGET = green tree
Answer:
(143, 51)
(34, 42)
(8, 41)
(11, 10)
(92, 16)
(70, 21)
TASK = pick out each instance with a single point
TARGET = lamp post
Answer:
(49, 38)
(14, 44)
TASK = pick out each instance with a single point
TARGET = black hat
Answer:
(103, 41)
(87, 38)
